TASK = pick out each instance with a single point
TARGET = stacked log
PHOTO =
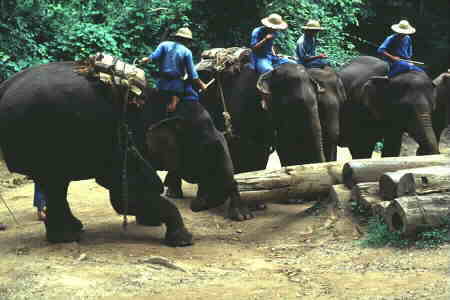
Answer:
(411, 214)
(358, 171)
(366, 194)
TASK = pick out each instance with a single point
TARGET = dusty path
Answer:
(286, 252)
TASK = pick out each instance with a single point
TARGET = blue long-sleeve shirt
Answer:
(175, 60)
(397, 47)
(306, 48)
(266, 49)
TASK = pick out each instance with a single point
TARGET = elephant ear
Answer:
(263, 84)
(372, 96)
(318, 88)
(342, 94)
(164, 142)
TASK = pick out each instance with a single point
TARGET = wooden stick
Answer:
(413, 62)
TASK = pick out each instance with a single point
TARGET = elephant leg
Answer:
(361, 149)
(158, 209)
(392, 144)
(173, 183)
(61, 225)
(238, 209)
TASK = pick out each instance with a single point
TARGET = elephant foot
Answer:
(239, 213)
(152, 222)
(67, 233)
(178, 238)
(174, 193)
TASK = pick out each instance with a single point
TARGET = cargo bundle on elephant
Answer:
(57, 126)
(379, 108)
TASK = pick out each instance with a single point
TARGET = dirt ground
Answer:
(286, 252)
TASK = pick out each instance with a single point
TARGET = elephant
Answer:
(305, 106)
(441, 115)
(379, 108)
(57, 126)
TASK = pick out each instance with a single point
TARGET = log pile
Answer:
(410, 193)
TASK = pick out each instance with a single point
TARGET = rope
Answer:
(9, 210)
(226, 114)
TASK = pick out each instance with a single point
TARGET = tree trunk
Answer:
(411, 214)
(289, 182)
(414, 181)
(340, 197)
(369, 170)
(366, 194)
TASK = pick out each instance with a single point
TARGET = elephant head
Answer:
(295, 110)
(404, 103)
(441, 116)
(174, 145)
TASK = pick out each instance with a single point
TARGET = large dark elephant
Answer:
(381, 108)
(57, 126)
(305, 109)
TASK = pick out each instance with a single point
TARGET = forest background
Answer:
(40, 31)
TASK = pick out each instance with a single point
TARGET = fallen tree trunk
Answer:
(289, 182)
(415, 181)
(367, 170)
(411, 214)
(366, 194)
(340, 197)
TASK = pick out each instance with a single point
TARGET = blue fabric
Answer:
(399, 67)
(394, 46)
(306, 48)
(262, 59)
(39, 200)
(175, 60)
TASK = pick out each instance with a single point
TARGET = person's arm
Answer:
(409, 51)
(383, 49)
(255, 44)
(302, 53)
(192, 72)
(153, 56)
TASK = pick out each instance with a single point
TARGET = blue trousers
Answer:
(317, 63)
(399, 67)
(267, 63)
(39, 200)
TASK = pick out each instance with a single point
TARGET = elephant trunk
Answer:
(425, 135)
(316, 131)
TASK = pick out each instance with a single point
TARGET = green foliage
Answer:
(378, 235)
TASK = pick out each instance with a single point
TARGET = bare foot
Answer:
(41, 216)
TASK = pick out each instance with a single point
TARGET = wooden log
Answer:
(369, 170)
(340, 196)
(289, 182)
(411, 181)
(411, 214)
(366, 194)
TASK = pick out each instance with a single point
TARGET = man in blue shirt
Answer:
(398, 47)
(263, 58)
(175, 62)
(306, 47)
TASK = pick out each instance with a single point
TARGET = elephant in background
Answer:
(382, 108)
(305, 106)
(441, 115)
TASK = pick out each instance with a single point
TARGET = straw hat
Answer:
(184, 32)
(312, 25)
(403, 27)
(274, 21)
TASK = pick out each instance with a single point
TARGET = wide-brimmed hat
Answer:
(312, 25)
(184, 32)
(403, 27)
(274, 21)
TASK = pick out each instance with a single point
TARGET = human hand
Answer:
(395, 58)
(269, 36)
(322, 55)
